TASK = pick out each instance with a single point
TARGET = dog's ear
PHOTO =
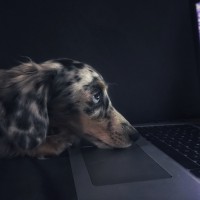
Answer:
(23, 104)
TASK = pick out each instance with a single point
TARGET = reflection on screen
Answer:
(198, 15)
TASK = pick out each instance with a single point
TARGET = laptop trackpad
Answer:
(107, 167)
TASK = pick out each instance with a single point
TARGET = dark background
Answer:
(145, 49)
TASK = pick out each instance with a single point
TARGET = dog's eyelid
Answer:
(97, 91)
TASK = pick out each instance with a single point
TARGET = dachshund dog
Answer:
(45, 107)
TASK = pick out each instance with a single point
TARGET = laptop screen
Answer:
(198, 16)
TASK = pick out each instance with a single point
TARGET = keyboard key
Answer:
(175, 155)
(193, 156)
(181, 142)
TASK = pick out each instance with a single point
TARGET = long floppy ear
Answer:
(23, 104)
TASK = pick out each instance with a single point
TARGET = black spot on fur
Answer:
(106, 103)
(94, 80)
(90, 103)
(89, 111)
(107, 115)
(86, 87)
(70, 67)
(39, 126)
(93, 86)
(60, 77)
(41, 104)
(67, 63)
(22, 122)
(47, 80)
(109, 126)
(67, 84)
(10, 103)
(77, 78)
(60, 88)
(68, 93)
(49, 75)
(79, 65)
(70, 107)
(39, 99)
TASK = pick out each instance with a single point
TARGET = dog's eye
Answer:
(97, 97)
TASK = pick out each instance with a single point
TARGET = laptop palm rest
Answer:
(107, 167)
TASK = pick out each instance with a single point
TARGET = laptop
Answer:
(163, 164)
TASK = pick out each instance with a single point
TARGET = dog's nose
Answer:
(131, 131)
(135, 135)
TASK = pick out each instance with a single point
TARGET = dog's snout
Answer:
(131, 131)
(135, 135)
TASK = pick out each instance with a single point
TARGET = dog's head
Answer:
(89, 111)
(60, 94)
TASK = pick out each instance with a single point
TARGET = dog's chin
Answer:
(102, 145)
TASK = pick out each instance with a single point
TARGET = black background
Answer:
(146, 50)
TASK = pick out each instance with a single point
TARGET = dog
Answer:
(46, 107)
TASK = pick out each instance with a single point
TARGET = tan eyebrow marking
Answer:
(102, 85)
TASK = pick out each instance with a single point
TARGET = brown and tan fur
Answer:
(45, 108)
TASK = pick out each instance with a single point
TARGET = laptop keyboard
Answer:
(181, 142)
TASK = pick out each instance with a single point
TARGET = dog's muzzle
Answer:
(131, 131)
